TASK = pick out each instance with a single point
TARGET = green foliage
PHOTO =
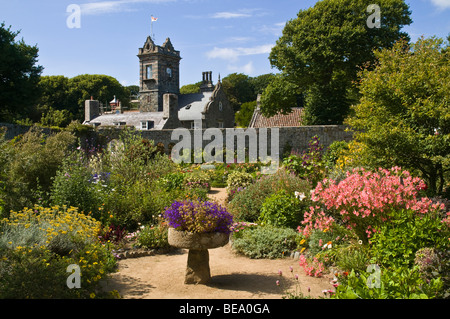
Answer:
(74, 185)
(238, 89)
(37, 245)
(320, 51)
(308, 165)
(153, 237)
(265, 242)
(397, 242)
(29, 164)
(333, 152)
(239, 179)
(402, 118)
(246, 204)
(190, 88)
(19, 74)
(244, 115)
(198, 179)
(282, 210)
(395, 283)
(280, 95)
(172, 181)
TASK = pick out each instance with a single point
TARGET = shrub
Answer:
(395, 283)
(246, 204)
(29, 162)
(74, 185)
(236, 181)
(398, 241)
(266, 242)
(153, 237)
(282, 210)
(199, 179)
(364, 200)
(308, 165)
(198, 217)
(37, 245)
(172, 181)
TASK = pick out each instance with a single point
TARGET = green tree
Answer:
(19, 76)
(320, 51)
(403, 117)
(190, 88)
(100, 87)
(260, 82)
(244, 115)
(238, 89)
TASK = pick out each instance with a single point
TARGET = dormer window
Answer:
(147, 125)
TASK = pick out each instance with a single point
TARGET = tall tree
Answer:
(100, 87)
(403, 118)
(19, 76)
(320, 52)
(238, 89)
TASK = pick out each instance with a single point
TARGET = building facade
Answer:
(161, 106)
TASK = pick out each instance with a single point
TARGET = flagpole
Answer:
(151, 34)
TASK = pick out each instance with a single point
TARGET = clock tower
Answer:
(159, 74)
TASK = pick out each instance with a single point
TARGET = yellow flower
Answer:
(303, 249)
(302, 242)
(92, 295)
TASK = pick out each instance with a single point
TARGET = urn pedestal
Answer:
(197, 271)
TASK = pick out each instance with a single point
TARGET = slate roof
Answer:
(279, 120)
(131, 119)
(192, 106)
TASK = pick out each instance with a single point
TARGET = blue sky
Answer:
(222, 36)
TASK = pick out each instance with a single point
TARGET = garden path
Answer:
(233, 276)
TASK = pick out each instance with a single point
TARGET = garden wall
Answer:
(290, 138)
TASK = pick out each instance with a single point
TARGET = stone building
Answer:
(161, 106)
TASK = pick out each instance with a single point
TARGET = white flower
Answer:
(360, 242)
(300, 196)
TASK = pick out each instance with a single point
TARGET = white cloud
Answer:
(230, 15)
(442, 4)
(102, 7)
(246, 69)
(232, 54)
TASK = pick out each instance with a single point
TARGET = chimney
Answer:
(91, 109)
(207, 84)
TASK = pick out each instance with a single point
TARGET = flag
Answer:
(154, 19)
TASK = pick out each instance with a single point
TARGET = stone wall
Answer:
(290, 138)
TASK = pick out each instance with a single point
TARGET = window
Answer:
(220, 124)
(148, 72)
(147, 125)
(119, 123)
(220, 106)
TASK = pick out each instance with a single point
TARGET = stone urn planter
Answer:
(197, 271)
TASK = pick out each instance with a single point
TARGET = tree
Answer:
(238, 89)
(19, 76)
(403, 117)
(244, 115)
(320, 51)
(100, 87)
(190, 88)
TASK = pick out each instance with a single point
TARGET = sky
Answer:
(222, 36)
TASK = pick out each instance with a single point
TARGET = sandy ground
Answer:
(233, 276)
